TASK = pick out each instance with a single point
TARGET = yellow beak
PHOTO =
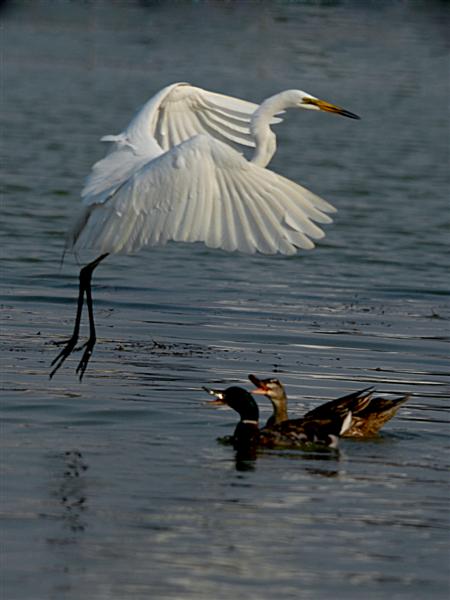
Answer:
(328, 107)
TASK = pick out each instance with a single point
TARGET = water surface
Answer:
(116, 488)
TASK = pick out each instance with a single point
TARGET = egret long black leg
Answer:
(71, 342)
(84, 288)
(89, 345)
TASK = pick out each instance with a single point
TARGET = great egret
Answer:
(173, 174)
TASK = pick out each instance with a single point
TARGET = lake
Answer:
(117, 487)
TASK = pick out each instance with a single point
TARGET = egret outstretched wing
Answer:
(203, 190)
(175, 114)
(173, 174)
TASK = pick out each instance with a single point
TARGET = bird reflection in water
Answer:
(72, 491)
(245, 460)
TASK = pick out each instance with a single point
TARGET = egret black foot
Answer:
(65, 352)
(82, 365)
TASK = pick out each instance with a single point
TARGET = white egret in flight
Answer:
(174, 174)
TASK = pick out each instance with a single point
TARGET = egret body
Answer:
(174, 174)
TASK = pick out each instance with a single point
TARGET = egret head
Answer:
(304, 100)
(262, 118)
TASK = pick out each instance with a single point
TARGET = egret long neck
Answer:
(265, 140)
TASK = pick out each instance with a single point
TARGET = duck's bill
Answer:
(328, 107)
(261, 387)
(218, 397)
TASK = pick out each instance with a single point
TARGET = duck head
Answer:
(239, 400)
(274, 390)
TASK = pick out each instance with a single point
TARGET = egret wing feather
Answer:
(293, 222)
(172, 116)
(313, 199)
(243, 236)
(187, 102)
(201, 190)
(226, 131)
(236, 109)
(266, 226)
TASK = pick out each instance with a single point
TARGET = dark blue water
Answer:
(116, 488)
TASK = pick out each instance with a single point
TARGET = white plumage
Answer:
(174, 174)
(175, 114)
(203, 191)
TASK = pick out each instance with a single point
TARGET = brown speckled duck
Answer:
(369, 413)
(287, 434)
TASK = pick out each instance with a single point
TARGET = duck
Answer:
(369, 412)
(287, 434)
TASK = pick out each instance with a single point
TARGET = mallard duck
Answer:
(369, 413)
(287, 434)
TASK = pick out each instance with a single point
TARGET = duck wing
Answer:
(298, 432)
(355, 402)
